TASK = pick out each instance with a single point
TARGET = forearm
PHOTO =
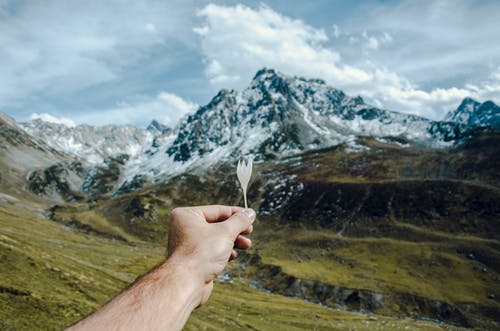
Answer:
(161, 300)
(201, 241)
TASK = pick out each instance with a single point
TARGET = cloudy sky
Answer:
(120, 62)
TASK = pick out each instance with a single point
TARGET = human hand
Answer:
(203, 240)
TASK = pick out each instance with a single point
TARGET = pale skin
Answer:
(201, 241)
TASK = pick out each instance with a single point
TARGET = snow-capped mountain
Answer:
(92, 144)
(279, 115)
(471, 112)
(276, 116)
(283, 115)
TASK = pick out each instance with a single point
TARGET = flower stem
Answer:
(245, 198)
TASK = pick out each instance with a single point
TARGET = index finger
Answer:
(216, 213)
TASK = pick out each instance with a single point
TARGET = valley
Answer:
(388, 222)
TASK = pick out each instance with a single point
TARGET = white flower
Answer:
(244, 172)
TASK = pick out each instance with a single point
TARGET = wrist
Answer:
(163, 299)
(181, 273)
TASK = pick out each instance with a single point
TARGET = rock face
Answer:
(101, 179)
(101, 152)
(471, 112)
(61, 180)
(272, 278)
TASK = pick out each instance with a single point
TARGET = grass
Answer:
(430, 269)
(52, 276)
(93, 221)
(387, 163)
(254, 310)
(65, 274)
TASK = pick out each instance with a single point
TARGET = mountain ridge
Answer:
(280, 115)
(275, 116)
(272, 100)
(90, 143)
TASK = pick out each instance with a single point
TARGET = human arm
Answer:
(201, 241)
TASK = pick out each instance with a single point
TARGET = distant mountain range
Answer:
(92, 144)
(276, 116)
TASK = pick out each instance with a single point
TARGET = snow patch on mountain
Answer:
(92, 144)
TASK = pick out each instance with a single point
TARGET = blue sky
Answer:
(101, 62)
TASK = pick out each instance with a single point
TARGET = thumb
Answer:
(239, 222)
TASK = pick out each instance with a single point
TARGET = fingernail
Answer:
(250, 213)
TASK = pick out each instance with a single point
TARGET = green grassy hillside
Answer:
(52, 275)
(388, 239)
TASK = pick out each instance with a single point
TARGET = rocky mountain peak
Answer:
(265, 73)
(156, 127)
(469, 103)
(279, 115)
(472, 112)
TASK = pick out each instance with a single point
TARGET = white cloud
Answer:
(56, 47)
(52, 119)
(396, 93)
(433, 43)
(167, 108)
(238, 40)
(175, 106)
